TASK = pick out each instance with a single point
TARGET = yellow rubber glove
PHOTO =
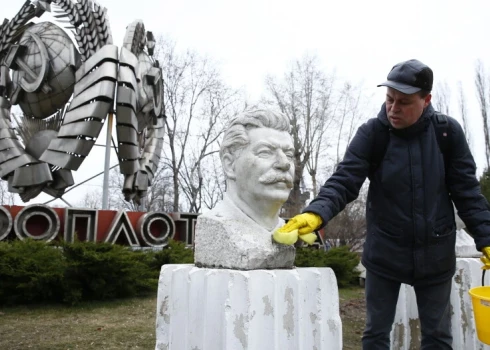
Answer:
(309, 238)
(485, 259)
(302, 225)
(288, 238)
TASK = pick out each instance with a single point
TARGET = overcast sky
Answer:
(360, 39)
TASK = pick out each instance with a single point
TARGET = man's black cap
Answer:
(410, 77)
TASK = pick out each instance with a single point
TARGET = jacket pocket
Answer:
(441, 255)
(389, 229)
(443, 228)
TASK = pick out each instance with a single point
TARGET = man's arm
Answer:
(344, 185)
(340, 189)
(465, 188)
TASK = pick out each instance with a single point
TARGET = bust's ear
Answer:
(228, 163)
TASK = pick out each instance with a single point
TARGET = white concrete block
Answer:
(221, 309)
(406, 329)
(227, 238)
(261, 328)
(465, 245)
(468, 275)
(406, 326)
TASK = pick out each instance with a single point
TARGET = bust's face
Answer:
(264, 170)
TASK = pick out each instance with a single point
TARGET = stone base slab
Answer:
(221, 309)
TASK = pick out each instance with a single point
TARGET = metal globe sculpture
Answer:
(44, 77)
(67, 93)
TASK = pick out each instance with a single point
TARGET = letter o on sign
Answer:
(38, 222)
(156, 228)
(6, 222)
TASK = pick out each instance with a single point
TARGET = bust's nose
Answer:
(282, 162)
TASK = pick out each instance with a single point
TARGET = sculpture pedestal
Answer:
(406, 328)
(221, 309)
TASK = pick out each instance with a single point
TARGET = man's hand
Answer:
(301, 226)
(485, 259)
(305, 223)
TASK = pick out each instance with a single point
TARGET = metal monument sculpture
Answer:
(67, 92)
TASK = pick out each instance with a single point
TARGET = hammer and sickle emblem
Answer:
(155, 80)
(38, 81)
(17, 63)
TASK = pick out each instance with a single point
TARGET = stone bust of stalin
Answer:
(257, 159)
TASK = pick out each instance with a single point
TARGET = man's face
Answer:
(264, 169)
(404, 110)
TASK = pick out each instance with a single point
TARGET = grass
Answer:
(351, 293)
(353, 315)
(122, 324)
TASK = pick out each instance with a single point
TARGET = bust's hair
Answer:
(236, 137)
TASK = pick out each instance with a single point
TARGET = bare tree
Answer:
(91, 199)
(349, 226)
(441, 97)
(305, 96)
(348, 115)
(116, 199)
(197, 102)
(220, 104)
(6, 197)
(160, 196)
(483, 93)
(464, 113)
(214, 186)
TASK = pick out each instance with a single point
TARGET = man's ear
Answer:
(228, 162)
(427, 100)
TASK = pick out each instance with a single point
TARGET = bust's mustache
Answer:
(271, 178)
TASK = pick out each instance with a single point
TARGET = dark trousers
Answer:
(433, 305)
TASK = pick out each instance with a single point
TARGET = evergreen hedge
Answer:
(98, 271)
(33, 271)
(341, 260)
(30, 272)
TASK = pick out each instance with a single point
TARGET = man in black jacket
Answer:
(411, 231)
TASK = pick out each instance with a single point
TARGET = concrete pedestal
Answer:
(406, 329)
(221, 309)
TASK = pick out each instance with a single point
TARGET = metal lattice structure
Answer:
(68, 92)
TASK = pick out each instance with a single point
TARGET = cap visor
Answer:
(403, 88)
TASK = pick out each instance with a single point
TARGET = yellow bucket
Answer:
(480, 297)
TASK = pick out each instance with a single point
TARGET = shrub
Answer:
(310, 257)
(175, 253)
(34, 271)
(98, 271)
(30, 271)
(341, 260)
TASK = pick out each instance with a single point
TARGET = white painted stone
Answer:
(226, 237)
(465, 245)
(459, 223)
(223, 309)
(406, 329)
(406, 325)
(257, 159)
